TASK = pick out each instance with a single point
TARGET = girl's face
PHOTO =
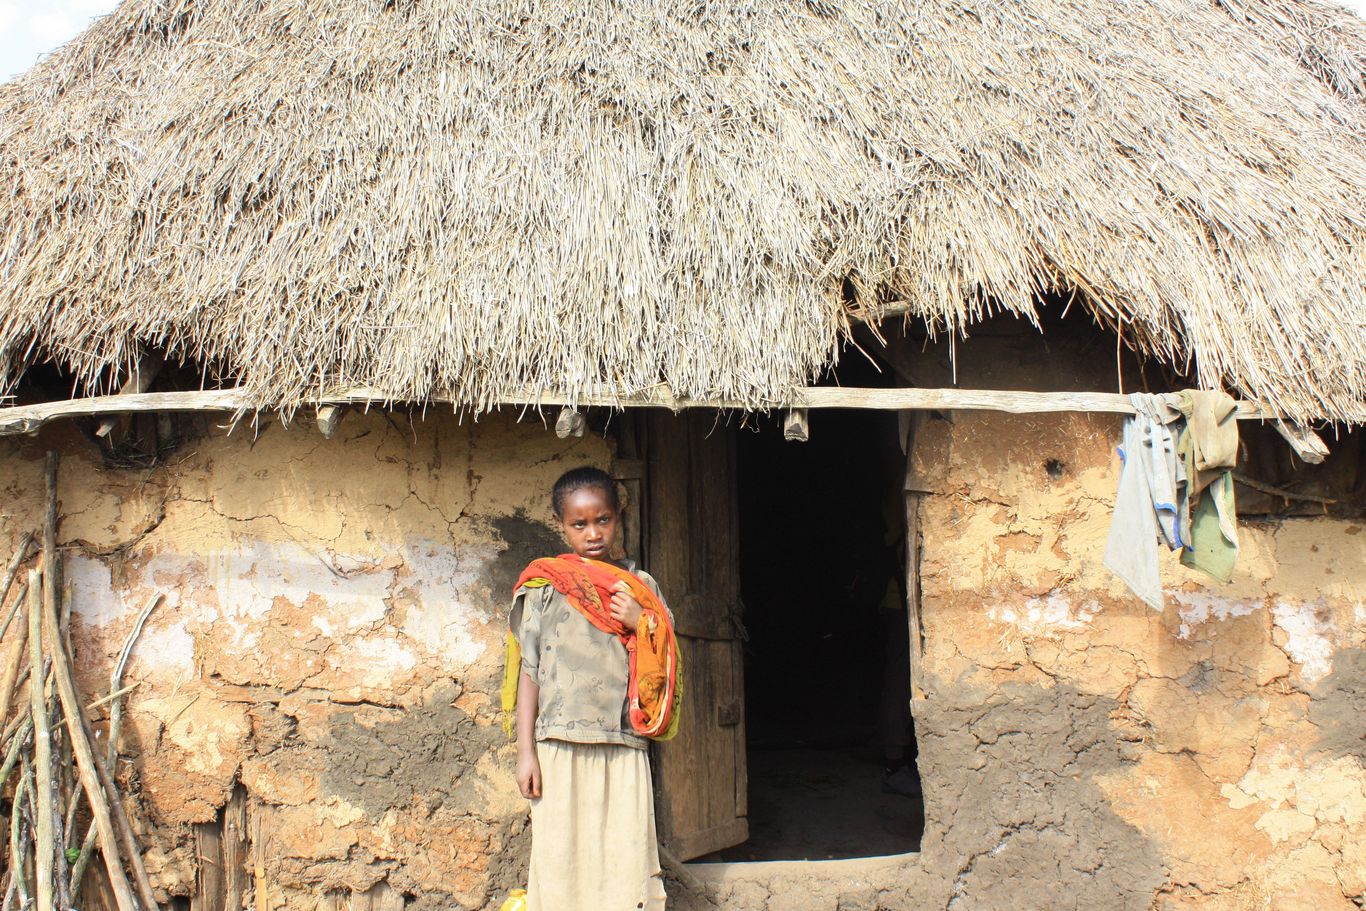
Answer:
(589, 523)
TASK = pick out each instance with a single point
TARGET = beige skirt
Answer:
(593, 844)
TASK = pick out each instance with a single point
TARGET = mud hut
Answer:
(290, 286)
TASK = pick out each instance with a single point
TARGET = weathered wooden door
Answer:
(691, 546)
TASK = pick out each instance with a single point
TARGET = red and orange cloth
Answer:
(655, 682)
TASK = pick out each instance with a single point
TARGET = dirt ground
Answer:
(823, 804)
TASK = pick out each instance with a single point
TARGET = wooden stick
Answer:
(9, 677)
(115, 725)
(43, 844)
(16, 843)
(52, 561)
(1281, 492)
(103, 797)
(111, 697)
(1307, 444)
(61, 871)
(15, 746)
(23, 716)
(116, 676)
(82, 861)
(29, 418)
(13, 570)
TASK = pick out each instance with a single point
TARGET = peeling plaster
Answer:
(1198, 607)
(1309, 638)
(1051, 614)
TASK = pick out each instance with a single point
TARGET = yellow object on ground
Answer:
(516, 901)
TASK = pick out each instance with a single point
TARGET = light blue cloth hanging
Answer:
(1131, 551)
(1157, 482)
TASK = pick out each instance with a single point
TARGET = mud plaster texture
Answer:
(330, 641)
(332, 637)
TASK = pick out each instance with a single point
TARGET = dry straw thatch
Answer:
(470, 197)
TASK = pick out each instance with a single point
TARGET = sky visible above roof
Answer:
(29, 30)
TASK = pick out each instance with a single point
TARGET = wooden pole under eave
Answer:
(911, 492)
(43, 844)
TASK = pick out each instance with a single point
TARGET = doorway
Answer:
(829, 742)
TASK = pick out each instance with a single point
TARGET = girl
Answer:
(596, 678)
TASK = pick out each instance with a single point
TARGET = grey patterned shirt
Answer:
(582, 671)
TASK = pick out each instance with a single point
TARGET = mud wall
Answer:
(1083, 750)
(330, 646)
(331, 639)
(1208, 756)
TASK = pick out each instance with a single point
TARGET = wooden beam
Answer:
(570, 423)
(1306, 443)
(29, 418)
(329, 416)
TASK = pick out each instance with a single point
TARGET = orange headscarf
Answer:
(655, 681)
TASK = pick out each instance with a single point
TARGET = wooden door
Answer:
(691, 546)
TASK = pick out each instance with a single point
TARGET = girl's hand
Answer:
(529, 774)
(625, 608)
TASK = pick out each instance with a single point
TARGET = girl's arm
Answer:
(528, 765)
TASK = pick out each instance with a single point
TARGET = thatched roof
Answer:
(477, 196)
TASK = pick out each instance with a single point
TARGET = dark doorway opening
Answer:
(822, 577)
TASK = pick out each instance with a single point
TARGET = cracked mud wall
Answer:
(1082, 750)
(331, 639)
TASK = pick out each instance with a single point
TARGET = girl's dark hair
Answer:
(580, 479)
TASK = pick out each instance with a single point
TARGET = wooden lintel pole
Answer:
(104, 799)
(43, 845)
(29, 418)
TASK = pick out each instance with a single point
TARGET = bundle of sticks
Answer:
(63, 804)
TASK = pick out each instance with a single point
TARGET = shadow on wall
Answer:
(1337, 705)
(526, 540)
(1015, 817)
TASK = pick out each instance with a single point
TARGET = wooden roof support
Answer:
(1306, 443)
(570, 423)
(29, 418)
(329, 416)
(797, 425)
